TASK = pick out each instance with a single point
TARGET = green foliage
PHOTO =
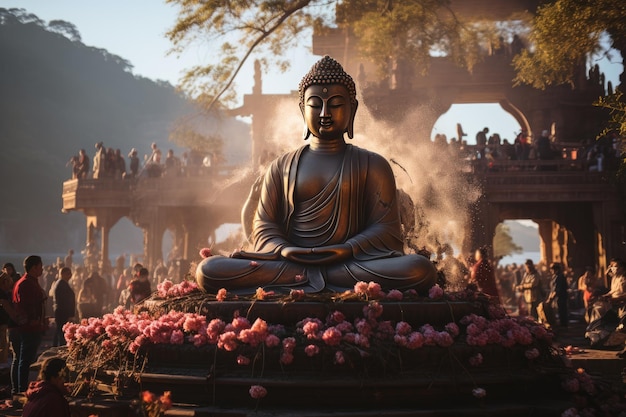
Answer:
(616, 106)
(503, 244)
(388, 32)
(243, 27)
(567, 33)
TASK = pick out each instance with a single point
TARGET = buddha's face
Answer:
(327, 110)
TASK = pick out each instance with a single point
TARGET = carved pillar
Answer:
(102, 220)
(546, 236)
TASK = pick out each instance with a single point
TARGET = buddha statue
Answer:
(327, 214)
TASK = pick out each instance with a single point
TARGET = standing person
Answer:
(64, 304)
(69, 259)
(6, 294)
(46, 396)
(483, 275)
(133, 163)
(99, 161)
(29, 301)
(140, 287)
(587, 285)
(531, 287)
(83, 165)
(100, 290)
(559, 288)
(9, 269)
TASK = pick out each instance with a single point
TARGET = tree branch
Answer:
(288, 12)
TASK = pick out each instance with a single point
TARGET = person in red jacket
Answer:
(29, 303)
(46, 396)
(482, 274)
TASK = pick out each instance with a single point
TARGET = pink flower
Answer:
(415, 340)
(289, 344)
(205, 253)
(166, 400)
(177, 337)
(394, 295)
(339, 358)
(148, 397)
(570, 412)
(453, 329)
(227, 341)
(435, 292)
(272, 341)
(332, 336)
(286, 358)
(214, 329)
(360, 288)
(254, 264)
(374, 290)
(299, 277)
(221, 294)
(336, 317)
(297, 294)
(479, 392)
(532, 353)
(243, 360)
(257, 392)
(312, 350)
(261, 294)
(476, 360)
(311, 329)
(373, 310)
(363, 327)
(444, 339)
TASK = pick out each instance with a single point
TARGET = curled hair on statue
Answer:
(329, 71)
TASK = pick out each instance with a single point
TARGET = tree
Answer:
(388, 30)
(565, 35)
(65, 28)
(503, 244)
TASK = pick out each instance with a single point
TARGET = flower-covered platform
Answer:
(362, 350)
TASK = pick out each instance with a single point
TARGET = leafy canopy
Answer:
(565, 35)
(387, 30)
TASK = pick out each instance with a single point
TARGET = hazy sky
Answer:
(135, 30)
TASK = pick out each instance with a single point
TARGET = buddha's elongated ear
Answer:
(306, 133)
(350, 128)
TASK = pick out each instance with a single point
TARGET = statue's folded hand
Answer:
(257, 256)
(318, 255)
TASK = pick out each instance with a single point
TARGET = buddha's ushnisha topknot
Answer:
(327, 71)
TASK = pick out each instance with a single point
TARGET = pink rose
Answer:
(331, 336)
(479, 392)
(205, 253)
(221, 294)
(394, 295)
(435, 292)
(476, 360)
(312, 350)
(257, 392)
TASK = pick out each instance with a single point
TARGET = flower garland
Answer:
(125, 331)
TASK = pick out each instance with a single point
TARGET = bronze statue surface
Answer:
(327, 215)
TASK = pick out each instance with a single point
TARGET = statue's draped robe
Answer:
(358, 207)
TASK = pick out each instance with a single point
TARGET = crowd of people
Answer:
(547, 292)
(110, 163)
(598, 155)
(45, 297)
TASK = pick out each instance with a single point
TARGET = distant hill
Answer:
(58, 95)
(525, 236)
